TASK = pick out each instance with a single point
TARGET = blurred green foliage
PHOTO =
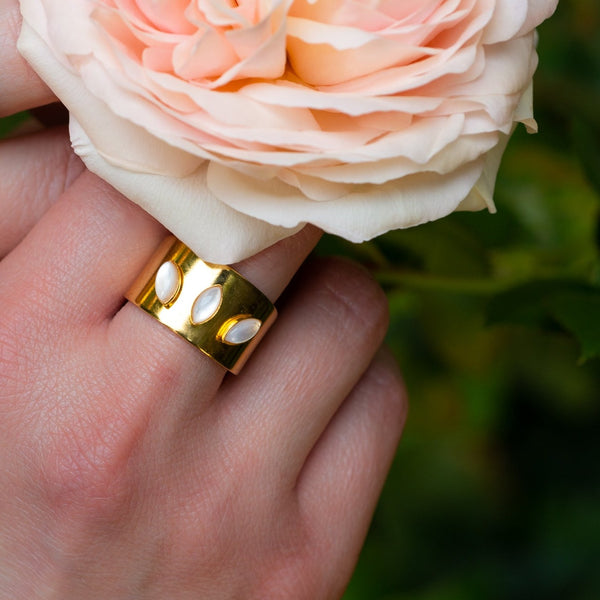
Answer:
(495, 320)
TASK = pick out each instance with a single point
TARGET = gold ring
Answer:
(211, 306)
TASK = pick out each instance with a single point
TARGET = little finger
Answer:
(342, 479)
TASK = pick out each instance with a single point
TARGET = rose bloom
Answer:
(235, 122)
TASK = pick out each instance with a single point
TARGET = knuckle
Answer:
(360, 296)
(155, 370)
(156, 366)
(84, 464)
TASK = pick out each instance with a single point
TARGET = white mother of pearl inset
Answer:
(168, 282)
(240, 332)
(207, 304)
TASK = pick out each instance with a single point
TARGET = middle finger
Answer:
(35, 170)
(328, 331)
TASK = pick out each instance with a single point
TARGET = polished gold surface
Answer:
(240, 300)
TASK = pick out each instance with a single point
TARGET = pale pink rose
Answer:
(234, 122)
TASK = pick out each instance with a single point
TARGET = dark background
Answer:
(495, 490)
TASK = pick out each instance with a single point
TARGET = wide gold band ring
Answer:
(211, 306)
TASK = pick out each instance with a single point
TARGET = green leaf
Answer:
(524, 304)
(572, 305)
(579, 313)
(446, 247)
(8, 124)
(586, 139)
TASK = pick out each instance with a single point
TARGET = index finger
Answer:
(20, 87)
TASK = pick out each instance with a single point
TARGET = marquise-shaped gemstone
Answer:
(242, 331)
(168, 282)
(207, 304)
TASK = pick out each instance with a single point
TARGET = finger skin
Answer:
(328, 331)
(343, 477)
(35, 170)
(75, 264)
(270, 270)
(20, 87)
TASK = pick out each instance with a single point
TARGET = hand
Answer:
(131, 466)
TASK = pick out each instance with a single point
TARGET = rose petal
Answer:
(366, 212)
(387, 113)
(208, 226)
